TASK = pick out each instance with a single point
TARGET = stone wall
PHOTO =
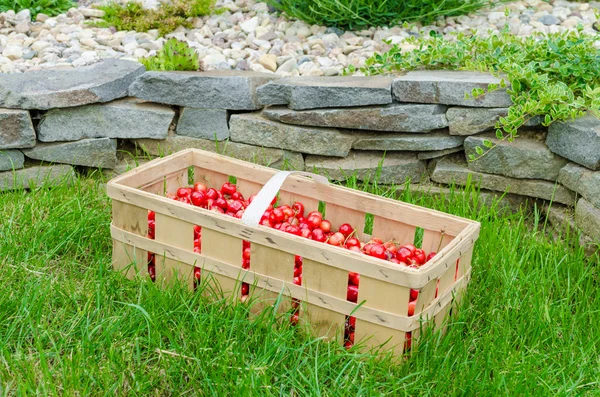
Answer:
(418, 126)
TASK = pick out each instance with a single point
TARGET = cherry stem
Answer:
(349, 236)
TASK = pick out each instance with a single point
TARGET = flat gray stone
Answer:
(126, 118)
(11, 160)
(438, 153)
(587, 218)
(101, 153)
(577, 140)
(36, 176)
(448, 87)
(275, 158)
(203, 123)
(471, 121)
(101, 82)
(527, 157)
(394, 117)
(253, 129)
(234, 90)
(453, 168)
(408, 142)
(397, 168)
(16, 129)
(583, 181)
(327, 92)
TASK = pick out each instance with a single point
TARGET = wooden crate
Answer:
(381, 315)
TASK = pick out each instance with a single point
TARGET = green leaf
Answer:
(487, 143)
(479, 150)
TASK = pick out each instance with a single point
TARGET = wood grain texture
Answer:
(127, 258)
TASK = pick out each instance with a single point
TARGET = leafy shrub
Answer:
(175, 55)
(48, 7)
(166, 18)
(357, 14)
(556, 76)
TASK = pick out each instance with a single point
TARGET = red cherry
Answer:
(217, 209)
(221, 203)
(184, 192)
(352, 242)
(414, 294)
(411, 308)
(237, 196)
(376, 241)
(185, 200)
(431, 256)
(391, 247)
(297, 271)
(316, 213)
(306, 233)
(298, 280)
(277, 216)
(152, 272)
(152, 216)
(396, 261)
(355, 249)
(353, 278)
(197, 230)
(298, 208)
(294, 319)
(348, 344)
(411, 248)
(326, 226)
(368, 247)
(288, 212)
(318, 235)
(313, 221)
(352, 294)
(420, 258)
(245, 264)
(294, 230)
(239, 214)
(404, 255)
(200, 187)
(336, 239)
(378, 251)
(266, 222)
(235, 206)
(197, 198)
(346, 229)
(351, 337)
(212, 194)
(228, 188)
(351, 323)
(245, 288)
(197, 272)
(246, 253)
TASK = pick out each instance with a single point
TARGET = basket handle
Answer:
(263, 199)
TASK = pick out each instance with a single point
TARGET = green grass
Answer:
(48, 7)
(360, 14)
(69, 325)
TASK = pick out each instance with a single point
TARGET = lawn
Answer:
(69, 325)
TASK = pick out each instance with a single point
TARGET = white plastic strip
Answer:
(263, 199)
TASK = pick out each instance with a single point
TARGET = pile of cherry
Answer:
(293, 220)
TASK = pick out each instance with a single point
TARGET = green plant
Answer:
(48, 7)
(358, 14)
(555, 76)
(166, 18)
(175, 55)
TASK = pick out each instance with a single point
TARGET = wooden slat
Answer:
(247, 188)
(333, 282)
(313, 297)
(210, 178)
(434, 241)
(386, 297)
(227, 249)
(339, 215)
(155, 169)
(332, 256)
(177, 180)
(127, 258)
(386, 230)
(360, 201)
(424, 302)
(156, 188)
(180, 234)
(277, 264)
